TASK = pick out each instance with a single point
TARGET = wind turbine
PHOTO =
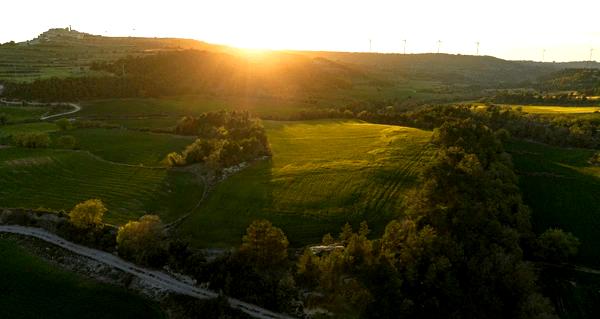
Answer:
(404, 52)
(543, 55)
(370, 45)
(477, 47)
(439, 45)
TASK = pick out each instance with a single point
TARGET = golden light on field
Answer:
(509, 29)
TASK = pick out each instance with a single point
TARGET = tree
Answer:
(556, 245)
(88, 215)
(264, 244)
(143, 241)
(3, 119)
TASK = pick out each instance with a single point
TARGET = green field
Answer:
(17, 114)
(9, 130)
(126, 146)
(536, 109)
(33, 288)
(59, 179)
(322, 174)
(170, 110)
(563, 191)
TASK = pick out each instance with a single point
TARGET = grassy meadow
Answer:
(127, 146)
(59, 179)
(321, 175)
(34, 288)
(535, 109)
(16, 114)
(563, 190)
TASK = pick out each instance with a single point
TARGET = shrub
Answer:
(63, 124)
(175, 159)
(66, 141)
(32, 140)
(557, 245)
(88, 215)
(143, 241)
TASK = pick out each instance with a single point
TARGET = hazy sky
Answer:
(510, 29)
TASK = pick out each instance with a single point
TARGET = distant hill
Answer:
(586, 81)
(66, 53)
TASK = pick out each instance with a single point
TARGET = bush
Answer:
(88, 215)
(66, 141)
(556, 245)
(63, 124)
(3, 119)
(595, 159)
(175, 159)
(143, 241)
(32, 140)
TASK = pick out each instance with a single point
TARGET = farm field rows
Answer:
(59, 179)
(563, 190)
(50, 292)
(127, 146)
(321, 175)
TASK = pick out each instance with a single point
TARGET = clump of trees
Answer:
(63, 124)
(458, 251)
(143, 241)
(32, 140)
(224, 139)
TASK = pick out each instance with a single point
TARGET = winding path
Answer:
(153, 277)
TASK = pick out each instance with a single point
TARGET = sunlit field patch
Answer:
(322, 174)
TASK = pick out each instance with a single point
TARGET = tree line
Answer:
(190, 72)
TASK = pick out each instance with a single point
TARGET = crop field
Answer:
(535, 109)
(59, 179)
(33, 288)
(127, 146)
(322, 174)
(563, 190)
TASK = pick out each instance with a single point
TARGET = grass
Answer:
(563, 191)
(33, 288)
(59, 179)
(127, 146)
(17, 114)
(8, 130)
(558, 109)
(173, 108)
(322, 175)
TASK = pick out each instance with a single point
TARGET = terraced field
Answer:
(59, 179)
(322, 174)
(33, 288)
(563, 190)
(126, 146)
(9, 130)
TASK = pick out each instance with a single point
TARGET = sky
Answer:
(547, 30)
